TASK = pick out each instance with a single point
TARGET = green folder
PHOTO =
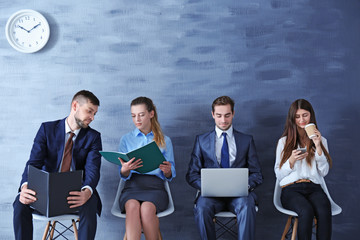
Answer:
(149, 154)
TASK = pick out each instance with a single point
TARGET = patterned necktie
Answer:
(225, 153)
(65, 167)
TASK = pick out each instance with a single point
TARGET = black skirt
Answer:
(145, 188)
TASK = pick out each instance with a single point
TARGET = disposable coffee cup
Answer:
(310, 130)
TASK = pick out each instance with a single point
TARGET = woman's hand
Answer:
(166, 168)
(296, 155)
(317, 141)
(130, 165)
(317, 138)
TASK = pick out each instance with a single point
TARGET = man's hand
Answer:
(77, 199)
(27, 195)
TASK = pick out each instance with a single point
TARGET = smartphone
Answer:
(303, 150)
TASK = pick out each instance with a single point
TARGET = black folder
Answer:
(52, 189)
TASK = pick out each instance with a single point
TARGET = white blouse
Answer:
(301, 170)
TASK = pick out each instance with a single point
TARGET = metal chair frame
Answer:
(50, 227)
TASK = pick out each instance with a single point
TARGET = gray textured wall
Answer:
(183, 54)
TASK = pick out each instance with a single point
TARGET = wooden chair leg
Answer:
(46, 230)
(286, 229)
(293, 237)
(52, 230)
(75, 228)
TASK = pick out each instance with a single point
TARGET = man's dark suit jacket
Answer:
(48, 149)
(204, 156)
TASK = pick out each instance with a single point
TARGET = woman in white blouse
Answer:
(300, 173)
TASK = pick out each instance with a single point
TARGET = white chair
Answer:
(115, 210)
(335, 209)
(50, 228)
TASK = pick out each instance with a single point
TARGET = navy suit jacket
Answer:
(204, 156)
(48, 149)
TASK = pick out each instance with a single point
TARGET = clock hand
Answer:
(34, 27)
(23, 28)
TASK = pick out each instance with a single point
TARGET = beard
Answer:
(81, 123)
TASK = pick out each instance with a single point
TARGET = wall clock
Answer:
(27, 31)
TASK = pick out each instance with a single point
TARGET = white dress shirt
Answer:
(219, 140)
(301, 169)
(67, 135)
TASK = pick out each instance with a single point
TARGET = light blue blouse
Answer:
(136, 139)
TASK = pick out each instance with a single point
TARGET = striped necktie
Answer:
(65, 167)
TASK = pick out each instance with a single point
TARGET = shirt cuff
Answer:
(88, 187)
(126, 178)
(287, 167)
(23, 185)
(319, 158)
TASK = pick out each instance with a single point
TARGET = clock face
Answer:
(27, 31)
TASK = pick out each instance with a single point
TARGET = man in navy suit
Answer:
(47, 154)
(238, 152)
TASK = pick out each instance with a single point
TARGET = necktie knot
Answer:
(71, 135)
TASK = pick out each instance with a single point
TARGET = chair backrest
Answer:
(115, 210)
(277, 202)
(335, 209)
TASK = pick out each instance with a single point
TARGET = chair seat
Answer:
(56, 218)
(115, 210)
(230, 214)
(225, 214)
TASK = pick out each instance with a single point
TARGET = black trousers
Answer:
(309, 200)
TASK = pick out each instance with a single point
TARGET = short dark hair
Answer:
(86, 95)
(223, 100)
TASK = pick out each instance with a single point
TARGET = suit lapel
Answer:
(60, 141)
(78, 144)
(212, 147)
(238, 143)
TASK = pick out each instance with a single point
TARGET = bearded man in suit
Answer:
(48, 153)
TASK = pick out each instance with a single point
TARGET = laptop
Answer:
(224, 182)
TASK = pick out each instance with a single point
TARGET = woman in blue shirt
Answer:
(144, 194)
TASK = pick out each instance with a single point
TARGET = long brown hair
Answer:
(155, 125)
(292, 135)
